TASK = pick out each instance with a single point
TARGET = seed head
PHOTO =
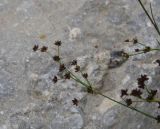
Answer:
(124, 92)
(128, 102)
(127, 40)
(137, 50)
(136, 93)
(35, 48)
(85, 75)
(135, 40)
(44, 49)
(58, 43)
(75, 102)
(56, 58)
(158, 61)
(147, 49)
(77, 68)
(141, 81)
(74, 62)
(67, 76)
(55, 79)
(61, 67)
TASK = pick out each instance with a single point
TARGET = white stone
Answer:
(74, 34)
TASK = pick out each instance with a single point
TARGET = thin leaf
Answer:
(155, 23)
(148, 15)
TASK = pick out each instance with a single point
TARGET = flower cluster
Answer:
(66, 73)
(140, 94)
(138, 51)
(137, 93)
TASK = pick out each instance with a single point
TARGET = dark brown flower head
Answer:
(124, 92)
(96, 46)
(158, 104)
(67, 75)
(75, 102)
(44, 49)
(137, 50)
(58, 43)
(135, 40)
(158, 118)
(56, 58)
(61, 67)
(153, 92)
(90, 90)
(55, 79)
(74, 62)
(128, 102)
(141, 81)
(158, 61)
(126, 55)
(136, 93)
(77, 68)
(35, 48)
(147, 49)
(127, 40)
(85, 75)
(151, 95)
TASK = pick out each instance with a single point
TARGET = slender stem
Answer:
(130, 107)
(145, 100)
(150, 5)
(136, 54)
(146, 12)
(77, 79)
(153, 17)
(58, 51)
(72, 75)
(142, 44)
(153, 49)
(146, 88)
(153, 100)
(137, 101)
(86, 79)
(158, 42)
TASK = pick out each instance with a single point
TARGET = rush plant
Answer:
(135, 95)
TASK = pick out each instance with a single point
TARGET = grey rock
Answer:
(72, 122)
(28, 97)
(128, 119)
(110, 119)
(24, 125)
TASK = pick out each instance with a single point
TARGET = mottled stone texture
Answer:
(29, 99)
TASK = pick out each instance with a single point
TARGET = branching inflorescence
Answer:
(135, 95)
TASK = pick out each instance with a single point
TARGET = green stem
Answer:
(133, 54)
(130, 107)
(153, 18)
(58, 52)
(154, 100)
(77, 78)
(78, 81)
(86, 79)
(158, 42)
(153, 49)
(142, 44)
(146, 12)
(146, 88)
